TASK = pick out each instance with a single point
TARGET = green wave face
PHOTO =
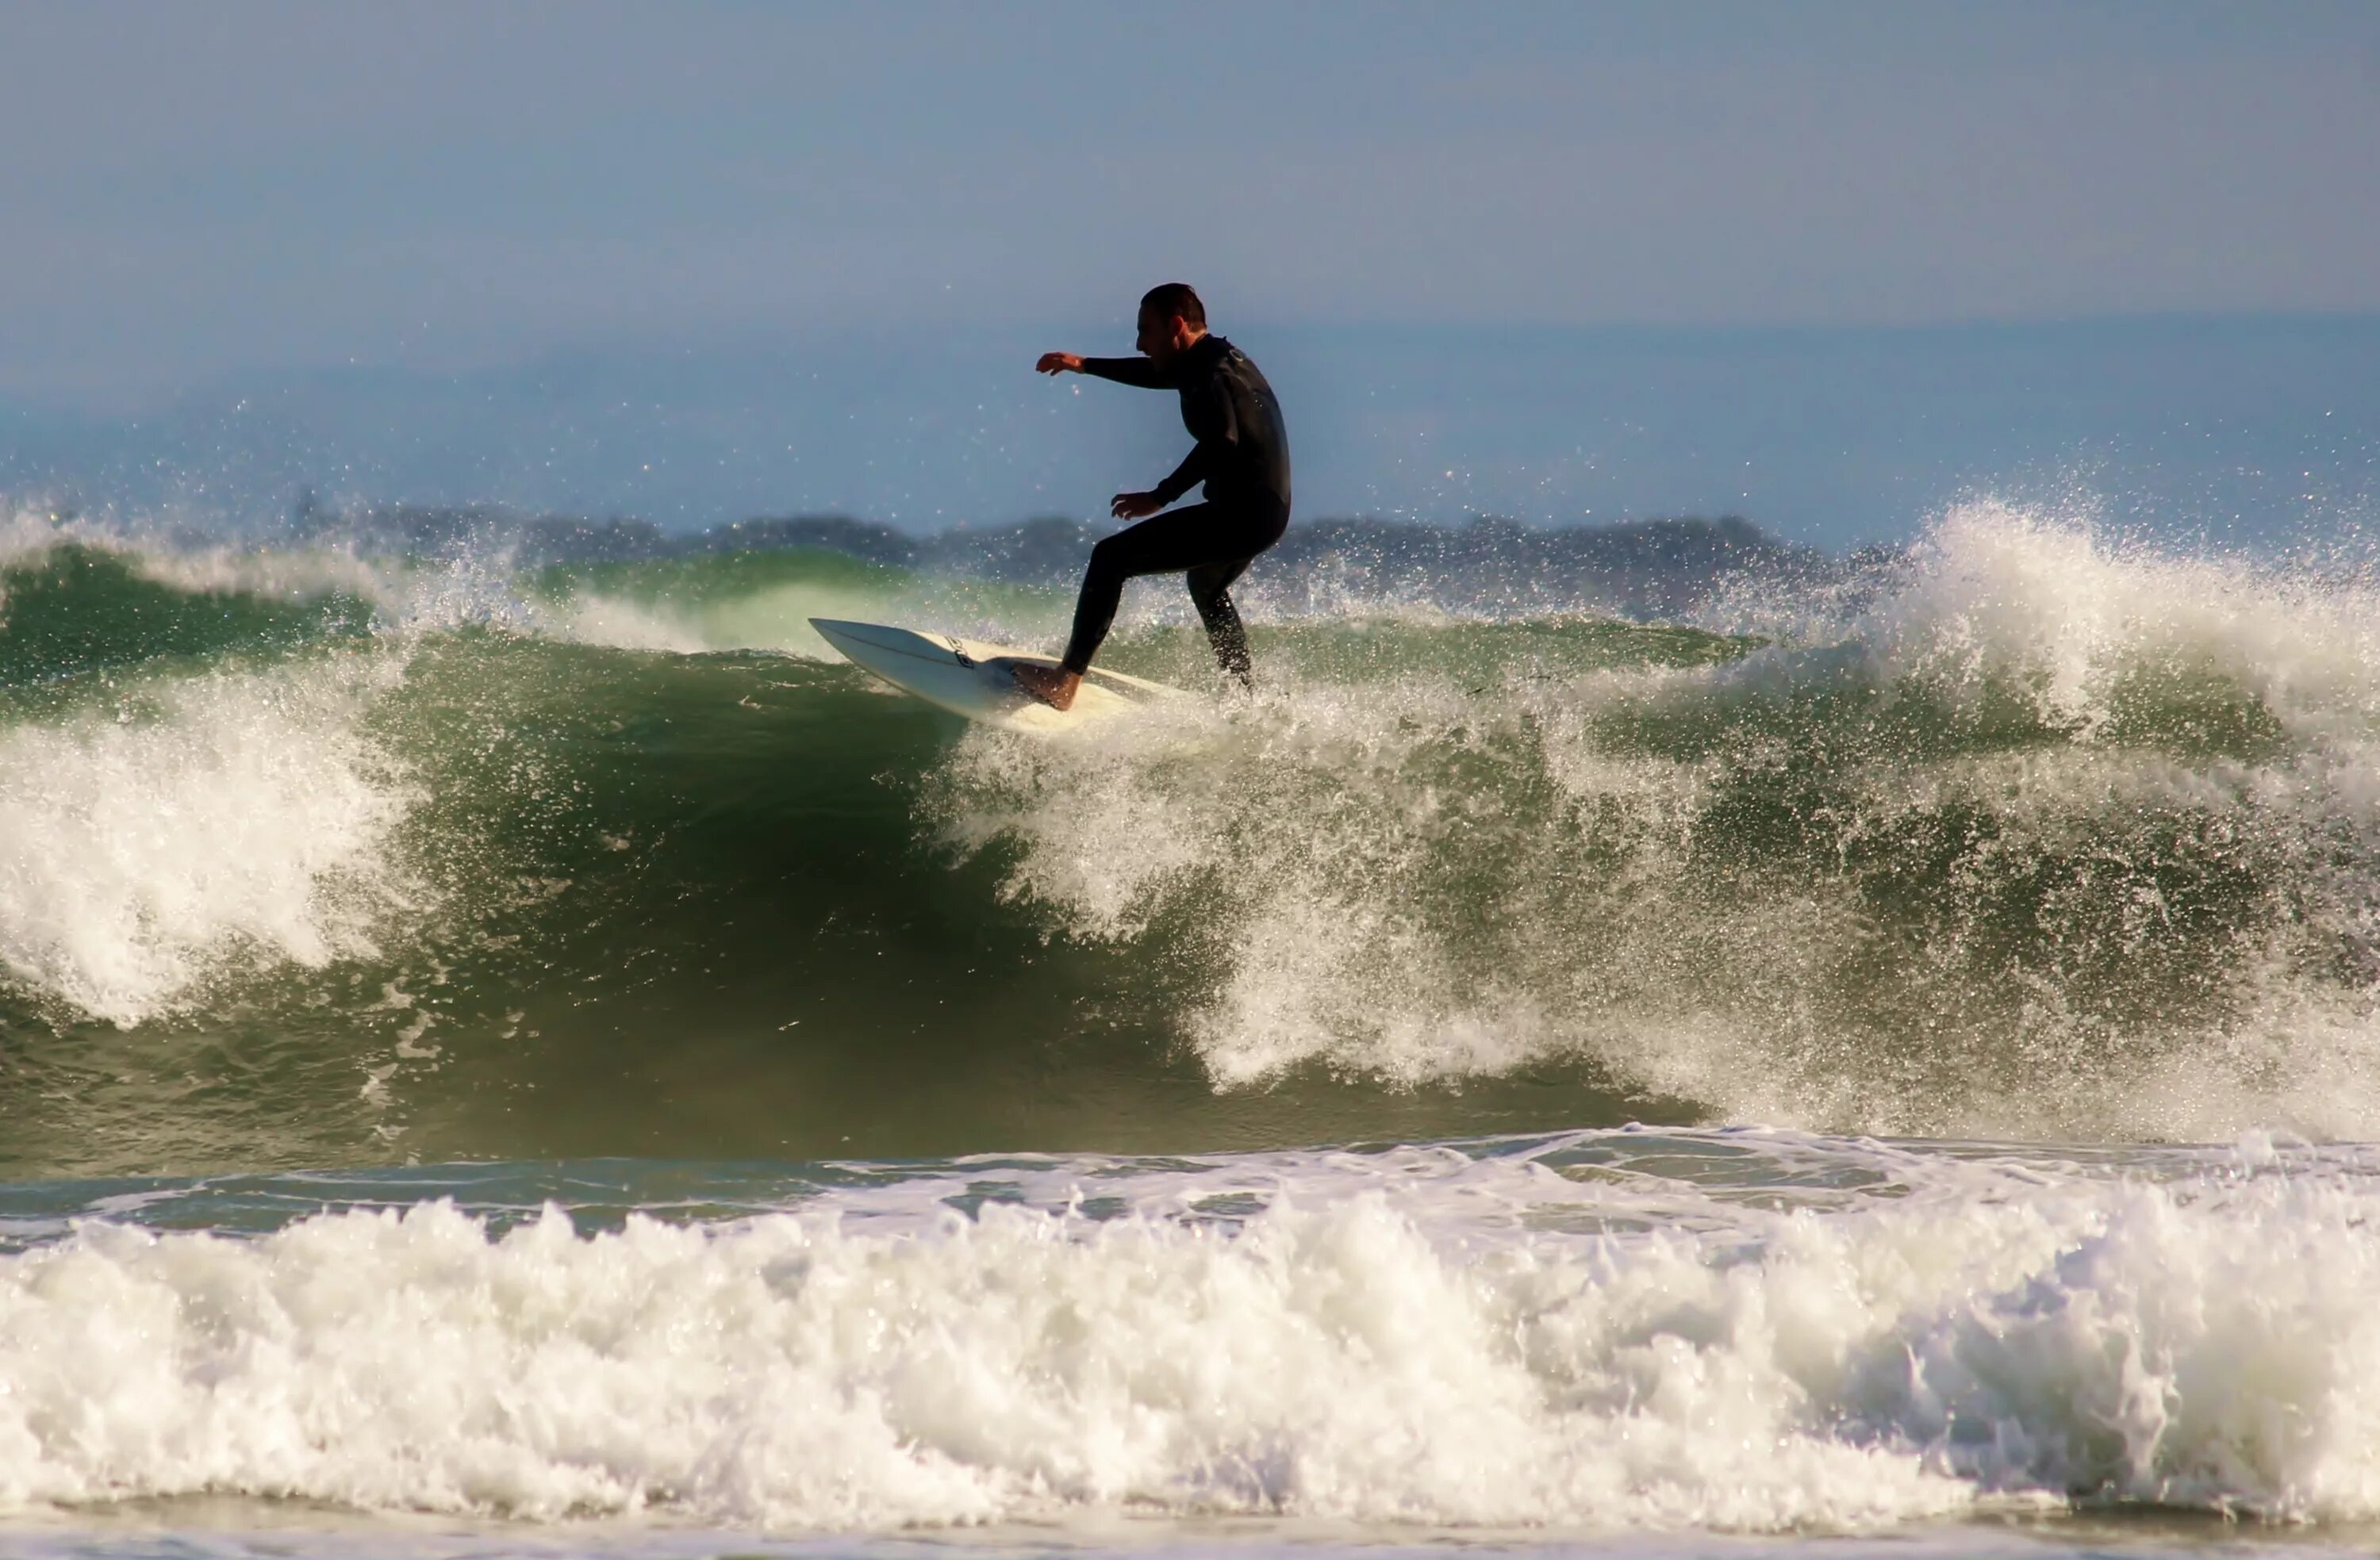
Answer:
(306, 859)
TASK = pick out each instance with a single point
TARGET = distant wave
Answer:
(1635, 568)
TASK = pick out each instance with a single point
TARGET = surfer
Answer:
(1242, 456)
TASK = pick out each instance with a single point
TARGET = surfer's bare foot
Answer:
(1053, 685)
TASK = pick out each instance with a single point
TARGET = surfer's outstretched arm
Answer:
(1142, 373)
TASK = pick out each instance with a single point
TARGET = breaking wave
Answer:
(2027, 832)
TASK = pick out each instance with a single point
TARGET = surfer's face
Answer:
(1163, 336)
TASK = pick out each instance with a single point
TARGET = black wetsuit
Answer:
(1242, 456)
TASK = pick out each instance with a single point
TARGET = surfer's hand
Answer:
(1058, 363)
(1135, 506)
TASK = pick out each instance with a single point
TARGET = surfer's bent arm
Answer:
(1210, 417)
(1140, 372)
(1188, 475)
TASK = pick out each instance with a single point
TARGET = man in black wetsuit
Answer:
(1242, 456)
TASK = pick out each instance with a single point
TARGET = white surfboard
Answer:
(973, 679)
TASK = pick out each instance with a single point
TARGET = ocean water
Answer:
(552, 1061)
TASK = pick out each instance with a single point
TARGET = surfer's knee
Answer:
(1108, 559)
(1210, 589)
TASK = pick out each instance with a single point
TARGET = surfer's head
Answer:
(1171, 319)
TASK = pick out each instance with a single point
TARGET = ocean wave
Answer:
(2026, 832)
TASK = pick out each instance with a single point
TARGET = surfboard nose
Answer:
(839, 633)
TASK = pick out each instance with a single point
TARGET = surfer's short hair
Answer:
(1175, 300)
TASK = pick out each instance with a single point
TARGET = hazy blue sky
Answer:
(191, 189)
(632, 257)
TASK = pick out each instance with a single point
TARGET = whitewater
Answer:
(545, 1056)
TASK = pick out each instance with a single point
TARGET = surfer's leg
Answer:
(1210, 591)
(1095, 608)
(1164, 544)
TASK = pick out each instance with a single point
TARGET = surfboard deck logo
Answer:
(973, 679)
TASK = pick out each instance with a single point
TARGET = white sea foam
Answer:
(146, 843)
(1998, 601)
(1419, 1337)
